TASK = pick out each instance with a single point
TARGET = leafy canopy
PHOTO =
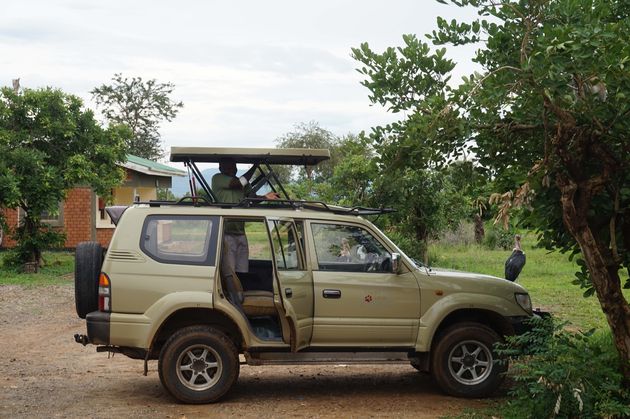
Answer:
(547, 117)
(142, 106)
(48, 144)
(550, 108)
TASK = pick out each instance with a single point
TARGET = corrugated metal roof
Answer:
(150, 167)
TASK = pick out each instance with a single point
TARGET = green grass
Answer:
(547, 277)
(58, 270)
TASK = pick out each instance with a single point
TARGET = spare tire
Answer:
(87, 268)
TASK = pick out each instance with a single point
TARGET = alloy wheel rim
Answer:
(470, 362)
(199, 367)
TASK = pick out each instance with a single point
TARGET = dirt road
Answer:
(44, 373)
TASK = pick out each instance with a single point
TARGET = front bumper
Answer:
(97, 329)
(522, 324)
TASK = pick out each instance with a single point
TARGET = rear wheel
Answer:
(464, 363)
(198, 364)
(88, 260)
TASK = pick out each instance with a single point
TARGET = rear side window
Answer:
(180, 239)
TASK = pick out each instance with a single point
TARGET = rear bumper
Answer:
(521, 324)
(98, 327)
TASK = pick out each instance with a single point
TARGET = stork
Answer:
(516, 261)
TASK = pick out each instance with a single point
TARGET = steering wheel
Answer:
(372, 263)
(386, 265)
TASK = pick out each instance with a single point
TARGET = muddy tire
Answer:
(87, 268)
(464, 363)
(198, 364)
(418, 365)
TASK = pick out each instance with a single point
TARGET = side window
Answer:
(180, 239)
(349, 249)
(285, 245)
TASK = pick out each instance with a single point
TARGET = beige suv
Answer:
(322, 285)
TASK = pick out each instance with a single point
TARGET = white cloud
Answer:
(247, 71)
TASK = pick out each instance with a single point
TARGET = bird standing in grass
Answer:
(515, 262)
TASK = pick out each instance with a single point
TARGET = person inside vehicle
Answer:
(344, 252)
(228, 188)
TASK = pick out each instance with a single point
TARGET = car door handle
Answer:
(288, 292)
(331, 293)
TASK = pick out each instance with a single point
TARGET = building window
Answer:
(55, 218)
(102, 219)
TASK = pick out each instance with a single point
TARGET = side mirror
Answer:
(395, 262)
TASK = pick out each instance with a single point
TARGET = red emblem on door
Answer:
(368, 298)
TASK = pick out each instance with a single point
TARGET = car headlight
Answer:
(524, 301)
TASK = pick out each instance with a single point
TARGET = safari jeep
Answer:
(323, 285)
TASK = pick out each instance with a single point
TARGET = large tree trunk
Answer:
(31, 229)
(479, 230)
(603, 269)
(421, 233)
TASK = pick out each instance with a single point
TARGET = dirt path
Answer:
(44, 373)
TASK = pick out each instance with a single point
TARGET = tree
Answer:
(474, 185)
(425, 204)
(352, 179)
(48, 144)
(142, 106)
(548, 116)
(309, 135)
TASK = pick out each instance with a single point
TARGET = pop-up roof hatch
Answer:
(263, 157)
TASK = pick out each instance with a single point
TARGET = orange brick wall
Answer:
(77, 219)
(77, 216)
(104, 236)
(11, 219)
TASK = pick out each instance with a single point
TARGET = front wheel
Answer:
(464, 363)
(198, 364)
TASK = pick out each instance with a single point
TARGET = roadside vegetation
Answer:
(58, 269)
(546, 275)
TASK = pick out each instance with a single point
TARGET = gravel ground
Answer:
(44, 373)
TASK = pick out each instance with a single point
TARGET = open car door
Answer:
(294, 282)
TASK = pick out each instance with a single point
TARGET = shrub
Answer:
(559, 373)
(499, 238)
(462, 235)
(32, 243)
(406, 243)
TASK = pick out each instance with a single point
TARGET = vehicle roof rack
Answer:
(263, 158)
(200, 201)
(313, 205)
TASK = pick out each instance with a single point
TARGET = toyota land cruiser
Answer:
(322, 285)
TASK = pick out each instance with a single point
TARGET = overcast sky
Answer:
(247, 71)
